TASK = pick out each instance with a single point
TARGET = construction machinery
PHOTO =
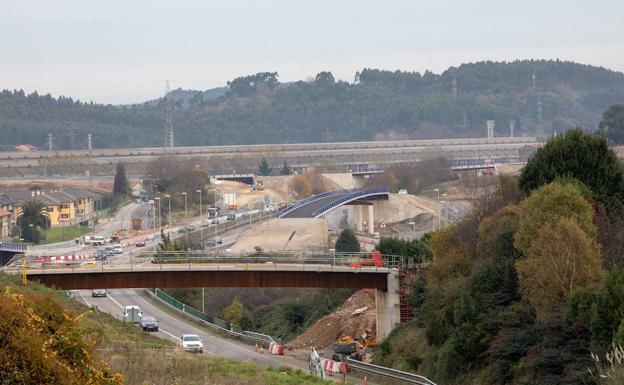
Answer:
(355, 349)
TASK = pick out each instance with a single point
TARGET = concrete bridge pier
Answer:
(358, 218)
(388, 306)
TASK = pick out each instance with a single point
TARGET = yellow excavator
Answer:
(349, 347)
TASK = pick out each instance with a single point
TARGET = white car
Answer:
(132, 314)
(117, 249)
(192, 343)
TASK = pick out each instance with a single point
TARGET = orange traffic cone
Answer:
(257, 349)
(261, 349)
(365, 381)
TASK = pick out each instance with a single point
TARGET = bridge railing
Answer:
(287, 261)
(310, 200)
(347, 198)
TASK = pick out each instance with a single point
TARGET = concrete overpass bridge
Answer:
(319, 205)
(357, 271)
(342, 155)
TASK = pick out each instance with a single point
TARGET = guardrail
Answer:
(247, 337)
(216, 260)
(310, 200)
(389, 373)
(348, 198)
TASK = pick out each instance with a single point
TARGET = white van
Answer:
(132, 314)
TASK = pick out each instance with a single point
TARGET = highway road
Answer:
(172, 328)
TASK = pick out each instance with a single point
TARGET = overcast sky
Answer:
(117, 51)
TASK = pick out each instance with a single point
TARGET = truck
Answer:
(229, 200)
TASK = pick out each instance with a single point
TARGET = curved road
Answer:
(172, 328)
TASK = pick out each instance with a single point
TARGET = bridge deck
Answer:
(232, 275)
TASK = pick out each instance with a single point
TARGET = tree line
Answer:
(376, 105)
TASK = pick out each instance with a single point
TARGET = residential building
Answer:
(5, 223)
(64, 206)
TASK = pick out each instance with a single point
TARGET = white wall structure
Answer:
(388, 306)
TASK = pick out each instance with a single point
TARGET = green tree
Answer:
(414, 249)
(33, 219)
(234, 312)
(120, 183)
(347, 242)
(561, 258)
(264, 168)
(583, 156)
(613, 123)
(549, 205)
(325, 77)
(286, 170)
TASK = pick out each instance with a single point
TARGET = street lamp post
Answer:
(443, 208)
(438, 191)
(185, 219)
(157, 199)
(168, 196)
(154, 225)
(413, 229)
(216, 216)
(201, 221)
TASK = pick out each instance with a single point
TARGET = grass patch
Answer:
(142, 358)
(64, 233)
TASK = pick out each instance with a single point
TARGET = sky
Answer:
(123, 52)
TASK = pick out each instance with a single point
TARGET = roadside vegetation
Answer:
(64, 233)
(49, 338)
(528, 288)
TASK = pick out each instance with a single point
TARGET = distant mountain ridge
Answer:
(536, 97)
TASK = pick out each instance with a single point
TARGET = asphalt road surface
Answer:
(172, 328)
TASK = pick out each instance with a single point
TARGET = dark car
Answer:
(98, 293)
(140, 243)
(149, 323)
(214, 241)
(100, 254)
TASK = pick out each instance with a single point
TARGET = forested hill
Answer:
(377, 105)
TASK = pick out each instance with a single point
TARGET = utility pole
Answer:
(169, 144)
(540, 120)
(90, 147)
(72, 134)
(454, 86)
(45, 158)
(512, 124)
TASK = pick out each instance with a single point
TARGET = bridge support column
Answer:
(358, 218)
(388, 305)
(371, 220)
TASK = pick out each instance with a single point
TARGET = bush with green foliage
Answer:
(415, 250)
(347, 242)
(583, 156)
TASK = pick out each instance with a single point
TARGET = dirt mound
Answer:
(348, 320)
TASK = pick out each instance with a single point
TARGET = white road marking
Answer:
(177, 338)
(115, 301)
(83, 298)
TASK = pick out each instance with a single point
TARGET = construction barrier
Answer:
(62, 258)
(330, 367)
(276, 349)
